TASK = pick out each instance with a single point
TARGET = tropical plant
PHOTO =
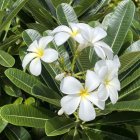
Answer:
(31, 99)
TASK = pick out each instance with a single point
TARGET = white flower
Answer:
(110, 84)
(38, 51)
(93, 37)
(62, 33)
(82, 97)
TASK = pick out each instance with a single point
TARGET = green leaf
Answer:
(119, 25)
(134, 47)
(130, 90)
(83, 6)
(110, 133)
(46, 94)
(4, 4)
(16, 8)
(124, 117)
(130, 78)
(21, 79)
(30, 35)
(6, 59)
(57, 2)
(127, 60)
(58, 126)
(3, 124)
(17, 133)
(25, 115)
(133, 105)
(66, 14)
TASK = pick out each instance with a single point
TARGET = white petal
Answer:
(116, 61)
(74, 26)
(70, 103)
(43, 42)
(108, 51)
(99, 51)
(86, 31)
(98, 34)
(86, 110)
(115, 83)
(61, 28)
(103, 71)
(113, 94)
(61, 38)
(79, 38)
(93, 97)
(33, 47)
(50, 55)
(70, 85)
(102, 93)
(92, 81)
(27, 59)
(98, 65)
(35, 67)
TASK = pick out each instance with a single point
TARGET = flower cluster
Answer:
(100, 84)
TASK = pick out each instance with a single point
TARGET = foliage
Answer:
(29, 104)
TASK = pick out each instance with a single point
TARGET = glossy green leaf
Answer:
(66, 14)
(6, 59)
(129, 59)
(58, 126)
(119, 25)
(46, 94)
(17, 133)
(21, 79)
(16, 8)
(30, 35)
(24, 115)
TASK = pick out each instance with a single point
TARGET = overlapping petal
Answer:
(71, 85)
(35, 67)
(27, 59)
(70, 103)
(92, 81)
(86, 110)
(50, 55)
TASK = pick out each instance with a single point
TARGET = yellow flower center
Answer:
(74, 33)
(107, 82)
(84, 93)
(40, 52)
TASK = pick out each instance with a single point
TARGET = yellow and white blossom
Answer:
(93, 37)
(110, 84)
(38, 51)
(79, 96)
(62, 33)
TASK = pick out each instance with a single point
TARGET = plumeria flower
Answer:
(79, 96)
(38, 51)
(110, 84)
(62, 33)
(93, 37)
